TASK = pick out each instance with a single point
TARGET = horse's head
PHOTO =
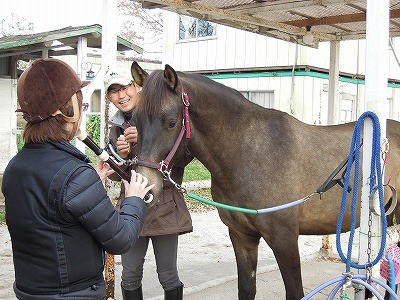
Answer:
(162, 135)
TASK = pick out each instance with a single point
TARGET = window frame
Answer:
(197, 37)
(271, 99)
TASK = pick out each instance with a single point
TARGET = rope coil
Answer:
(375, 183)
(375, 180)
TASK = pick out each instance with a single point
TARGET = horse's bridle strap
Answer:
(146, 163)
(185, 114)
(163, 166)
(171, 154)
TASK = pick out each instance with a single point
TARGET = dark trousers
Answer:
(165, 251)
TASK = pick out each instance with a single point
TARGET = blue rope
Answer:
(375, 179)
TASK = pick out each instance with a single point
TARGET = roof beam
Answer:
(240, 21)
(32, 50)
(204, 11)
(350, 18)
(284, 5)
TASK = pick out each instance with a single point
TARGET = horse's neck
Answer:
(215, 131)
(211, 108)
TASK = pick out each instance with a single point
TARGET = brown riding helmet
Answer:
(44, 87)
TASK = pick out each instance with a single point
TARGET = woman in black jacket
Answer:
(58, 214)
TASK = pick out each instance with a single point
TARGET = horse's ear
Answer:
(171, 77)
(138, 74)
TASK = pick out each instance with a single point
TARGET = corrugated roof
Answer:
(327, 20)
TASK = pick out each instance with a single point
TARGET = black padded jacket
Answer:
(61, 220)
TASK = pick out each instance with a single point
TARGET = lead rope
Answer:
(375, 182)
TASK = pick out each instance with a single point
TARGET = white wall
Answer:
(231, 48)
(310, 95)
(8, 121)
(308, 92)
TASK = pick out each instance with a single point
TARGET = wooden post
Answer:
(326, 247)
(109, 276)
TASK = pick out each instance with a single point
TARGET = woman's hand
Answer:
(104, 170)
(138, 185)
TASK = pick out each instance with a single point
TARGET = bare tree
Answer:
(140, 24)
(13, 25)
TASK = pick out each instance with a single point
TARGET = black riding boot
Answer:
(176, 294)
(132, 295)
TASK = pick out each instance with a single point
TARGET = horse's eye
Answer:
(172, 124)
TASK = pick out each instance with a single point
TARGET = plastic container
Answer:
(394, 250)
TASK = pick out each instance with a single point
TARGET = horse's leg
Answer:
(246, 253)
(284, 244)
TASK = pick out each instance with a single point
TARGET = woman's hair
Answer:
(54, 127)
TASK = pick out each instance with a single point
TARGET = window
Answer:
(389, 108)
(264, 98)
(347, 103)
(192, 28)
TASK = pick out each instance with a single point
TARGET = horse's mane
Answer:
(153, 92)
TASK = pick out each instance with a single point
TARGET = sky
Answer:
(49, 15)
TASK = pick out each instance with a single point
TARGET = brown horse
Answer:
(257, 157)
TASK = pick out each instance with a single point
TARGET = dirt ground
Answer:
(207, 265)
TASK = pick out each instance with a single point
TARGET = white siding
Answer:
(310, 99)
(233, 48)
(8, 121)
(394, 68)
(236, 49)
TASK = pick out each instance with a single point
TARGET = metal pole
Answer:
(376, 76)
(108, 61)
(108, 54)
(333, 92)
(81, 58)
(333, 118)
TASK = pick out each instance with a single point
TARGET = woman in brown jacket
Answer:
(166, 220)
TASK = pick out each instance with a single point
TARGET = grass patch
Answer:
(2, 216)
(195, 170)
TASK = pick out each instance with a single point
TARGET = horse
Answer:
(257, 157)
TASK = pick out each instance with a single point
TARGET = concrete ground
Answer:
(207, 265)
